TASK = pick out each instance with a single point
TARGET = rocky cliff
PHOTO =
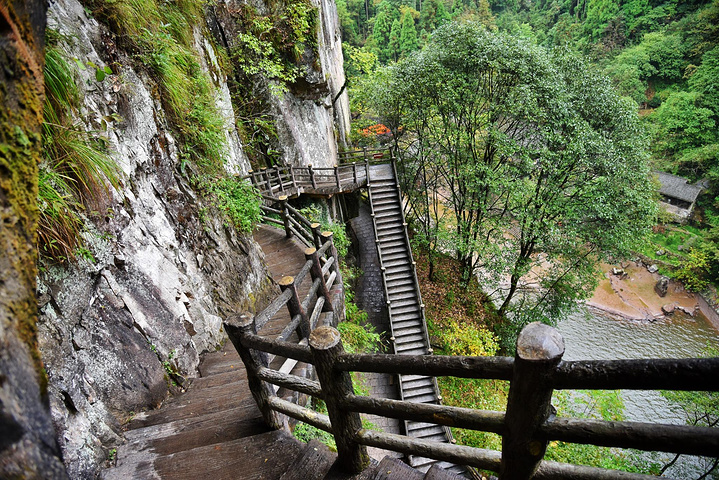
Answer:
(126, 322)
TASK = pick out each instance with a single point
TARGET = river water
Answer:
(591, 335)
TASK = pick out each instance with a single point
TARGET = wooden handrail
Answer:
(665, 374)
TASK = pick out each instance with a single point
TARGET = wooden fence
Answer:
(527, 425)
(345, 177)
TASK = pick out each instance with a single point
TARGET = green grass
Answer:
(76, 170)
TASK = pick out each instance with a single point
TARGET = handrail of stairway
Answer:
(527, 425)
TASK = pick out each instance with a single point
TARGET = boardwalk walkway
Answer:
(215, 429)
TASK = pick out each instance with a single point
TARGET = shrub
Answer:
(240, 201)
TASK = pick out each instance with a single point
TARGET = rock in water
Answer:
(668, 309)
(661, 287)
(652, 269)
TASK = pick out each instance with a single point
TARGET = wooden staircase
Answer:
(406, 312)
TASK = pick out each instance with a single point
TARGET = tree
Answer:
(531, 151)
(394, 40)
(408, 35)
(705, 81)
(682, 125)
(381, 32)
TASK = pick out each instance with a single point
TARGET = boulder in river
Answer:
(668, 309)
(661, 286)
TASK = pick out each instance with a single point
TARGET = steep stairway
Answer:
(409, 331)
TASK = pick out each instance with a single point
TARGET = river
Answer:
(590, 334)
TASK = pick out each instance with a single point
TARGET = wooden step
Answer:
(313, 464)
(415, 381)
(392, 469)
(418, 391)
(411, 346)
(444, 471)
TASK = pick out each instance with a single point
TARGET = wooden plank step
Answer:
(397, 263)
(424, 399)
(444, 471)
(403, 302)
(400, 289)
(403, 309)
(401, 339)
(394, 250)
(431, 433)
(392, 469)
(416, 381)
(406, 296)
(314, 462)
(413, 351)
(262, 456)
(411, 345)
(417, 391)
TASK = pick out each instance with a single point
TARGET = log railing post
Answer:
(239, 326)
(328, 237)
(294, 305)
(285, 215)
(279, 179)
(253, 180)
(312, 176)
(316, 273)
(316, 235)
(539, 350)
(326, 347)
(354, 172)
(292, 175)
(268, 183)
(337, 178)
(366, 168)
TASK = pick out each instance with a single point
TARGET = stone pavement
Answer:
(369, 296)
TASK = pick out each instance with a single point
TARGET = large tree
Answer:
(541, 163)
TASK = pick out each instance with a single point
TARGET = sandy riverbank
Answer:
(632, 296)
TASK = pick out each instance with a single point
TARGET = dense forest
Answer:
(527, 133)
(664, 56)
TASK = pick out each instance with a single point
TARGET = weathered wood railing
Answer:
(527, 425)
(289, 180)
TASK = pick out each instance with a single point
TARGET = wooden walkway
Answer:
(214, 429)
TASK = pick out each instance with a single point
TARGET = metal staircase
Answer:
(406, 311)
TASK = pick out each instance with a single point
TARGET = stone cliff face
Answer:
(122, 327)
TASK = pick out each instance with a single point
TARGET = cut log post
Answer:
(326, 347)
(354, 172)
(539, 351)
(337, 178)
(239, 326)
(285, 215)
(329, 237)
(294, 305)
(253, 180)
(316, 273)
(292, 175)
(316, 235)
(312, 176)
(366, 168)
(268, 183)
(279, 180)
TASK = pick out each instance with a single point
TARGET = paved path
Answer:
(369, 296)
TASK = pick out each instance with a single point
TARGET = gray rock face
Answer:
(120, 330)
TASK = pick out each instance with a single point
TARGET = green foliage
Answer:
(682, 125)
(318, 213)
(578, 186)
(408, 35)
(239, 200)
(272, 44)
(603, 405)
(76, 169)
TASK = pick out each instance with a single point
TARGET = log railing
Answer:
(526, 427)
(351, 174)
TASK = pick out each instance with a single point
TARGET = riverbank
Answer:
(628, 291)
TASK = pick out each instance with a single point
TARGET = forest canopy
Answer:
(508, 151)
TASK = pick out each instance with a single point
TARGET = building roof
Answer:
(677, 187)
